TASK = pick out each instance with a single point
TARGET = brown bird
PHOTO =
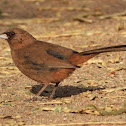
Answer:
(45, 62)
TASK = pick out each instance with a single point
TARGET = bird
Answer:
(46, 62)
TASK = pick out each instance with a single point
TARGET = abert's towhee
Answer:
(45, 62)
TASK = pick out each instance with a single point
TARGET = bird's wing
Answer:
(57, 59)
(42, 56)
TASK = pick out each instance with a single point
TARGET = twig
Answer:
(33, 20)
(113, 15)
(114, 89)
(86, 123)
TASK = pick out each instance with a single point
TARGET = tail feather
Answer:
(105, 49)
(79, 58)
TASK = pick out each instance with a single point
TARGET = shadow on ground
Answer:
(62, 91)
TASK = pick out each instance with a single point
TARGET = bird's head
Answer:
(17, 38)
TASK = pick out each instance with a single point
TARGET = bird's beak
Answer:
(3, 36)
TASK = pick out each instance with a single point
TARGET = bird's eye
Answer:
(12, 33)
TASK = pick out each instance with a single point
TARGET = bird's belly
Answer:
(40, 73)
(61, 74)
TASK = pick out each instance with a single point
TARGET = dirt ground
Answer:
(94, 94)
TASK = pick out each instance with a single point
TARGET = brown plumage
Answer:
(45, 62)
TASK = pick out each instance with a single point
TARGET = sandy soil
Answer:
(79, 25)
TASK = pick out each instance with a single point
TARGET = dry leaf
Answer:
(26, 21)
(81, 19)
(116, 69)
(6, 117)
(115, 15)
(63, 9)
(97, 61)
(114, 89)
(47, 108)
(51, 102)
(34, 0)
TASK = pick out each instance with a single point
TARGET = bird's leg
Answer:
(38, 94)
(53, 92)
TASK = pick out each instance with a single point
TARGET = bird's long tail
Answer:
(82, 57)
(105, 49)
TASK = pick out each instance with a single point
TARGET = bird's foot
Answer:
(50, 99)
(35, 98)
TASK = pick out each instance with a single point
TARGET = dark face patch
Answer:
(56, 54)
(10, 35)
